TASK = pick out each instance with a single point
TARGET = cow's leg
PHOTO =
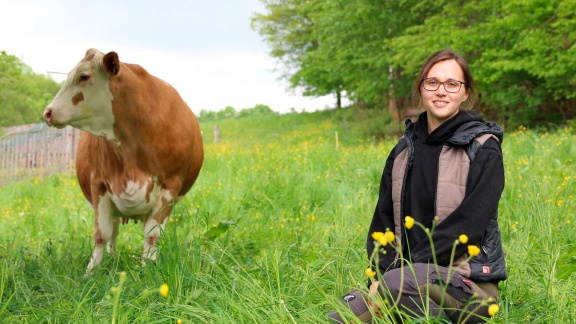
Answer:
(154, 224)
(112, 243)
(103, 229)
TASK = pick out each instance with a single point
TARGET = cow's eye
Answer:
(84, 77)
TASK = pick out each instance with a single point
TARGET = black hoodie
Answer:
(483, 189)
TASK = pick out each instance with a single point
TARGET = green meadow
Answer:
(274, 231)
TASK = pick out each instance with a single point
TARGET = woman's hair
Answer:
(443, 55)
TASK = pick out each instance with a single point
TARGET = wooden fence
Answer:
(36, 151)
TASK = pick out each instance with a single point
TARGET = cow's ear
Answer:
(111, 63)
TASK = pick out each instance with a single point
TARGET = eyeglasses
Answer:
(450, 85)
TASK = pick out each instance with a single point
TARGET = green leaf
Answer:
(566, 264)
(218, 230)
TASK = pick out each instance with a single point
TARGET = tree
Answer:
(358, 33)
(257, 110)
(228, 112)
(289, 30)
(338, 46)
(23, 94)
(520, 51)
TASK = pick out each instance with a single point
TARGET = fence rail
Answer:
(37, 151)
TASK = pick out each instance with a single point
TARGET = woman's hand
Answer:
(372, 304)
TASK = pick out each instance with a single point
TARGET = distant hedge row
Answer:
(230, 112)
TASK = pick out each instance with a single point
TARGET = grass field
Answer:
(274, 232)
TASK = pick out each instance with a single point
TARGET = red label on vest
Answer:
(486, 269)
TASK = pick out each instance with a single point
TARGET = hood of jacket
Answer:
(458, 130)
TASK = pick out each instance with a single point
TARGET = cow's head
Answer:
(85, 100)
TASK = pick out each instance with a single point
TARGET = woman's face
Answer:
(440, 104)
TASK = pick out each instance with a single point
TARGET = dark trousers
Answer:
(426, 290)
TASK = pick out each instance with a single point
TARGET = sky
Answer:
(204, 48)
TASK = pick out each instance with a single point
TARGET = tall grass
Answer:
(273, 232)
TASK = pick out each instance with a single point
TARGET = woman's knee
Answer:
(406, 280)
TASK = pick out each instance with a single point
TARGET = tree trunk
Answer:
(392, 107)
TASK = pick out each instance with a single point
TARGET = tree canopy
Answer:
(522, 53)
(23, 94)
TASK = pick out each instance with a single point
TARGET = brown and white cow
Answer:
(141, 149)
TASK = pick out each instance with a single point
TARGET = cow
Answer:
(140, 150)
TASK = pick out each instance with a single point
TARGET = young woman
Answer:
(446, 174)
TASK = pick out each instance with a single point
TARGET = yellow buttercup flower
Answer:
(164, 290)
(514, 226)
(389, 236)
(473, 250)
(370, 273)
(463, 239)
(493, 309)
(379, 236)
(409, 222)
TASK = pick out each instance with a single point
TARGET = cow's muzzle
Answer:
(48, 116)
